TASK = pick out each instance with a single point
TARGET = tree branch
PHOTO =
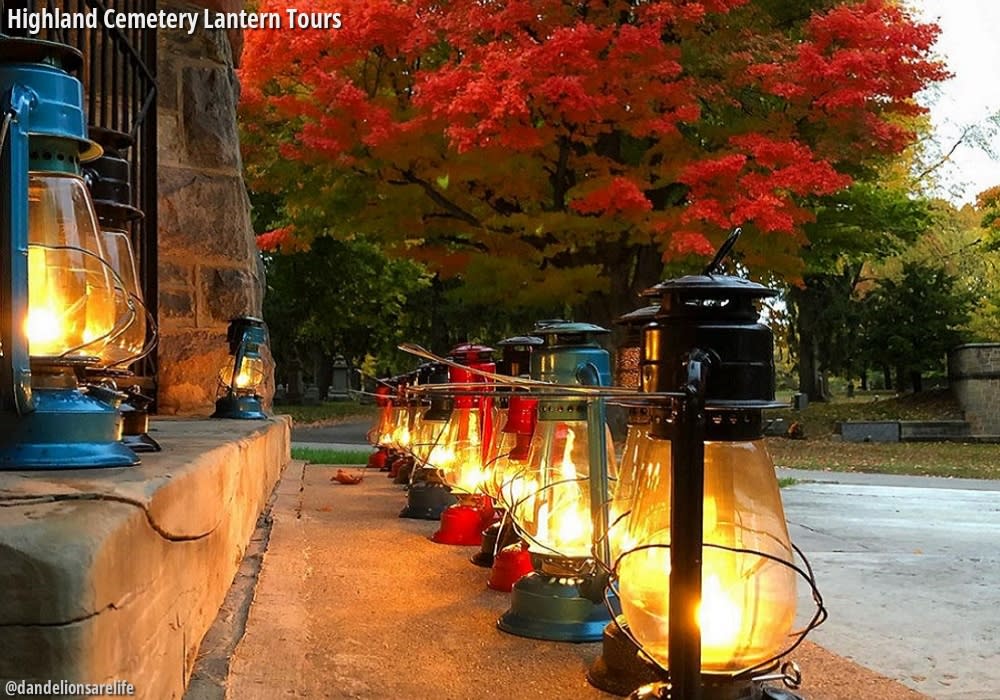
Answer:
(449, 206)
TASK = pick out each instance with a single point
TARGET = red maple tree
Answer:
(569, 146)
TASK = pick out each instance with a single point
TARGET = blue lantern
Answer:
(243, 373)
(58, 314)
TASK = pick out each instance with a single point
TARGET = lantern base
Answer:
(621, 668)
(499, 535)
(554, 608)
(716, 687)
(377, 459)
(461, 525)
(426, 500)
(67, 430)
(141, 443)
(404, 473)
(239, 407)
(135, 430)
(510, 565)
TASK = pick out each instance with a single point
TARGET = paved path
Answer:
(910, 571)
(909, 568)
(356, 603)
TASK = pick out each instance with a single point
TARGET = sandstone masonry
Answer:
(974, 374)
(209, 268)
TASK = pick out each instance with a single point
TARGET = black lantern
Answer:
(708, 586)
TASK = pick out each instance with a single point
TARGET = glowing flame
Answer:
(719, 617)
(42, 327)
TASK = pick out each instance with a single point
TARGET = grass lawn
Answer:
(331, 456)
(326, 413)
(820, 451)
(918, 458)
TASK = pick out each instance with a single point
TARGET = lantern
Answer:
(708, 591)
(508, 447)
(109, 182)
(559, 498)
(383, 424)
(460, 450)
(621, 668)
(242, 374)
(452, 462)
(58, 312)
(414, 406)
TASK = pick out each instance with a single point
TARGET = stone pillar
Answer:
(209, 268)
(974, 376)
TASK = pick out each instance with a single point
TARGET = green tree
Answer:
(913, 320)
(337, 298)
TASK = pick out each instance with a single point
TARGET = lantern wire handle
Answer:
(154, 335)
(723, 252)
(806, 573)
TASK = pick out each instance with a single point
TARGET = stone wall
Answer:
(974, 375)
(208, 264)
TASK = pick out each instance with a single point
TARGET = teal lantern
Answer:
(558, 501)
(243, 373)
(58, 310)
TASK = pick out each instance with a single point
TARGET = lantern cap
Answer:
(710, 286)
(470, 352)
(530, 340)
(23, 50)
(57, 101)
(569, 328)
(109, 179)
(638, 317)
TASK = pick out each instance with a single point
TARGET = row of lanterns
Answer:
(677, 555)
(72, 317)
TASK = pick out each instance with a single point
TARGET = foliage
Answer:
(854, 228)
(338, 297)
(566, 146)
(914, 320)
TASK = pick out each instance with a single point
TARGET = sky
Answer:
(970, 44)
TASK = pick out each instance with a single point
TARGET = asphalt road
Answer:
(909, 569)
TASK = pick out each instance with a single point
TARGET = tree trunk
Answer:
(324, 375)
(631, 270)
(887, 377)
(810, 377)
(864, 380)
(900, 380)
(918, 381)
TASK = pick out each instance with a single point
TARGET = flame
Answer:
(567, 468)
(442, 457)
(719, 617)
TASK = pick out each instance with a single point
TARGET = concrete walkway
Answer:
(354, 602)
(908, 567)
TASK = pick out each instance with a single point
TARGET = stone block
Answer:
(204, 217)
(169, 139)
(208, 109)
(167, 86)
(175, 275)
(204, 45)
(226, 293)
(189, 363)
(176, 305)
(933, 431)
(117, 574)
(870, 431)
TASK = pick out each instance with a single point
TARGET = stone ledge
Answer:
(116, 574)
